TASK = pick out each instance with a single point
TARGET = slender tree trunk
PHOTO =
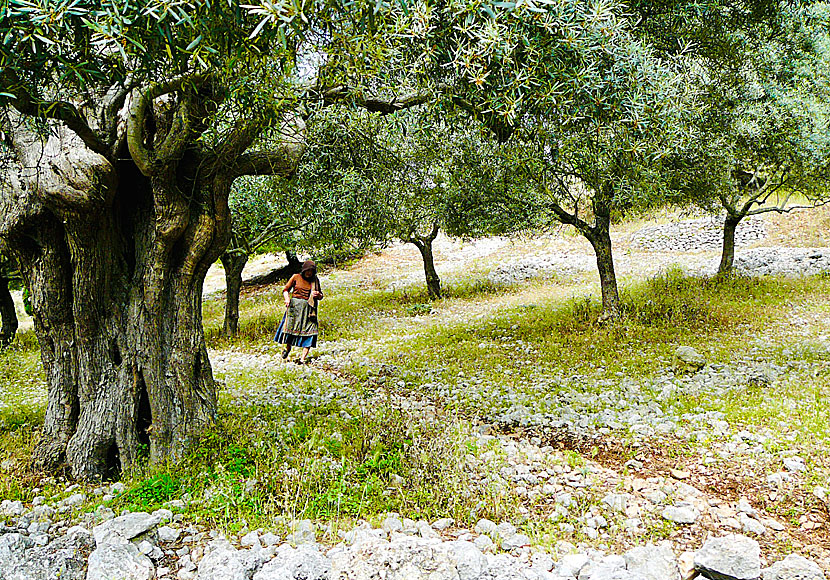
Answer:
(8, 314)
(727, 258)
(234, 263)
(600, 238)
(424, 245)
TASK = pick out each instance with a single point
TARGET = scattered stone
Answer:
(443, 524)
(222, 562)
(302, 563)
(270, 539)
(793, 567)
(732, 557)
(11, 508)
(687, 358)
(571, 565)
(121, 561)
(616, 501)
(652, 563)
(249, 540)
(679, 474)
(485, 526)
(681, 514)
(485, 544)
(794, 464)
(124, 527)
(514, 542)
(468, 559)
(167, 534)
(751, 525)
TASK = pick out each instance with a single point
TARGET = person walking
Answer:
(299, 325)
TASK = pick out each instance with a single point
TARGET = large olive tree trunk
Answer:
(8, 314)
(114, 238)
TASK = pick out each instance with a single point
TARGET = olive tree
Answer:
(759, 141)
(125, 126)
(762, 142)
(586, 110)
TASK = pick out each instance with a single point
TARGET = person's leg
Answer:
(304, 355)
(286, 350)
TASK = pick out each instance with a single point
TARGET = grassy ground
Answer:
(341, 445)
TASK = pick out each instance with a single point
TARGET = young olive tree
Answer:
(763, 141)
(259, 217)
(585, 109)
(759, 141)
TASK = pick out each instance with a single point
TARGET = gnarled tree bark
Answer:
(115, 248)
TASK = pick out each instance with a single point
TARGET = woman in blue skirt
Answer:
(298, 328)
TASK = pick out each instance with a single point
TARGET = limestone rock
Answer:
(404, 558)
(124, 527)
(681, 514)
(470, 563)
(62, 558)
(222, 562)
(793, 567)
(112, 561)
(688, 359)
(652, 563)
(302, 563)
(732, 557)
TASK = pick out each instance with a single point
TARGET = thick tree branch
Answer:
(282, 160)
(375, 105)
(62, 111)
(142, 99)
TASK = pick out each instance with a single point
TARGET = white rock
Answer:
(469, 560)
(793, 567)
(11, 508)
(652, 563)
(616, 501)
(222, 562)
(443, 524)
(485, 544)
(681, 514)
(571, 565)
(304, 562)
(249, 540)
(392, 524)
(168, 534)
(733, 556)
(125, 527)
(751, 525)
(270, 539)
(485, 526)
(514, 541)
(121, 561)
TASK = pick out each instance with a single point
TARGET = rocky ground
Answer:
(671, 467)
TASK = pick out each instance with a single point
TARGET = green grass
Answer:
(321, 461)
(286, 448)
